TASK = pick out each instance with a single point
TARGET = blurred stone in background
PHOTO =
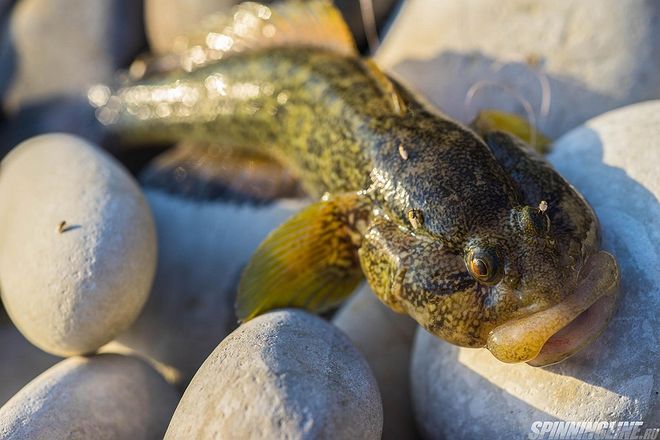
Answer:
(61, 47)
(467, 393)
(51, 51)
(590, 56)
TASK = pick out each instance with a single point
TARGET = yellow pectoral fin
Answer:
(496, 120)
(309, 262)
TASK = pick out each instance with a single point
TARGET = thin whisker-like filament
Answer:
(529, 110)
(369, 23)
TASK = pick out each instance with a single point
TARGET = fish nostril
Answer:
(511, 280)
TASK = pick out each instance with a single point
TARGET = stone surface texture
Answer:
(72, 287)
(285, 374)
(100, 397)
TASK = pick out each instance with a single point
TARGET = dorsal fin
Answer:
(250, 26)
(387, 87)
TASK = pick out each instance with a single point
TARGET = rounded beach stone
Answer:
(501, 49)
(64, 46)
(385, 340)
(285, 374)
(101, 397)
(78, 250)
(467, 393)
(203, 247)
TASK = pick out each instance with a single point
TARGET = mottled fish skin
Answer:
(437, 192)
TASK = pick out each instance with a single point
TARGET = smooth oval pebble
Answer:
(107, 396)
(72, 287)
(285, 374)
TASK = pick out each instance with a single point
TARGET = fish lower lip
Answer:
(579, 333)
(552, 335)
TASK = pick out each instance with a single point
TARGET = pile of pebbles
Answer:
(117, 317)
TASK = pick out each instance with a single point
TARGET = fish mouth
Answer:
(554, 334)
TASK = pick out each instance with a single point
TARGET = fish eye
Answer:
(484, 266)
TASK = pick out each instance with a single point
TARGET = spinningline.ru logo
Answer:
(598, 430)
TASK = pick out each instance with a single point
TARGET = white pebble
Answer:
(107, 396)
(285, 374)
(72, 287)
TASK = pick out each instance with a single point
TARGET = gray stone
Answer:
(21, 361)
(593, 55)
(71, 287)
(62, 47)
(202, 249)
(100, 397)
(285, 374)
(467, 393)
(385, 340)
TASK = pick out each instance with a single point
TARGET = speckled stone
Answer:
(202, 249)
(71, 288)
(385, 340)
(466, 393)
(100, 397)
(594, 55)
(285, 374)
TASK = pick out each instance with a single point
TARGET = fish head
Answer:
(514, 291)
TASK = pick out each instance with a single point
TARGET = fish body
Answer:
(466, 232)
